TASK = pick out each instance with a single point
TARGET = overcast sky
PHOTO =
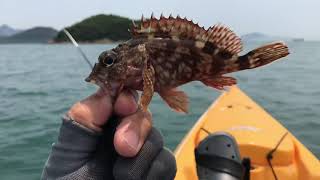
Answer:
(295, 18)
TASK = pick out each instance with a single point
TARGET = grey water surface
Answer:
(38, 83)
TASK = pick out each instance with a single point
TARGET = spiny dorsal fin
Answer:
(166, 28)
(177, 28)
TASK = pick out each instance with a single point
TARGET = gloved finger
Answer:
(126, 103)
(163, 166)
(136, 167)
(94, 111)
(132, 132)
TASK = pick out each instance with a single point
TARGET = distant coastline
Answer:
(298, 40)
(102, 41)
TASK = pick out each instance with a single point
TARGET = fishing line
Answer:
(74, 42)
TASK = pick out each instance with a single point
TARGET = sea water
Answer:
(38, 83)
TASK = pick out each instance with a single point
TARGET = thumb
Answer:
(132, 133)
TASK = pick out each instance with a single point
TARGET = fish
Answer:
(167, 52)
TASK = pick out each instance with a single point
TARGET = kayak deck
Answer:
(256, 132)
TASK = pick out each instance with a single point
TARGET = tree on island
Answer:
(99, 27)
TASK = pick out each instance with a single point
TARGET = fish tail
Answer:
(257, 57)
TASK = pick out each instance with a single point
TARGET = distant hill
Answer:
(98, 28)
(6, 31)
(33, 35)
(260, 37)
(255, 37)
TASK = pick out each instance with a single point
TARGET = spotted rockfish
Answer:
(168, 52)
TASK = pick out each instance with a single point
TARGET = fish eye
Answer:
(108, 61)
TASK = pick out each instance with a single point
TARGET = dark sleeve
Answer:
(81, 153)
(73, 153)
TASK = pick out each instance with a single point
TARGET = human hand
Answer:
(135, 125)
(131, 150)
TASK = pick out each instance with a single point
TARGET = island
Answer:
(33, 35)
(98, 29)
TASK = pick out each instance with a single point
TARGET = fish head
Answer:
(115, 69)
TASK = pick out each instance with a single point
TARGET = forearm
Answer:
(75, 146)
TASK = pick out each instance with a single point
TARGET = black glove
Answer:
(83, 154)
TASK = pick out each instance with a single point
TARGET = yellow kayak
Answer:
(256, 133)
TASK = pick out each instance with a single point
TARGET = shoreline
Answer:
(101, 41)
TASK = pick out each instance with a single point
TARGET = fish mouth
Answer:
(113, 88)
(95, 81)
(94, 78)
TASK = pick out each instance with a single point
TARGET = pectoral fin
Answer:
(148, 86)
(176, 99)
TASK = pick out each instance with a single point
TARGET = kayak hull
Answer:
(257, 133)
